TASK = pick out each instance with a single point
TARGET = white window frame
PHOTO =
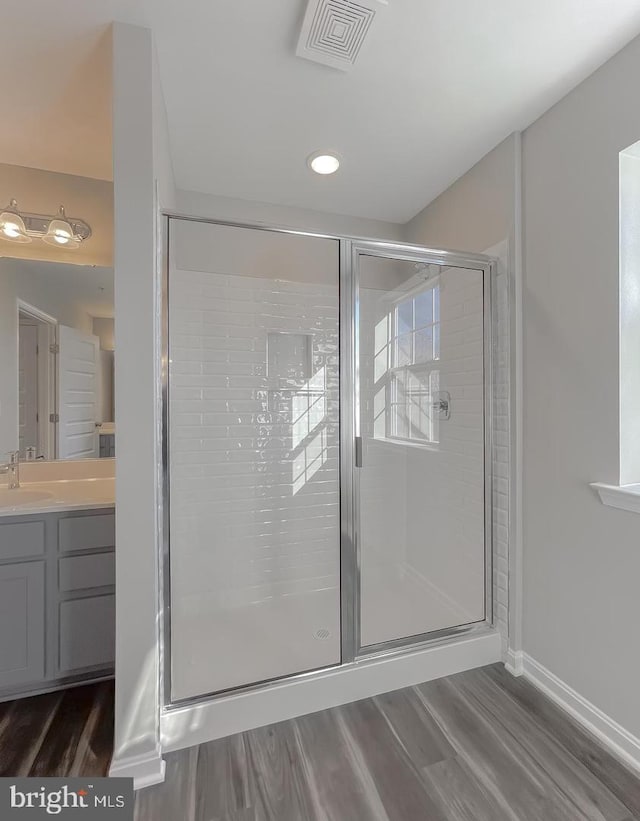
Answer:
(430, 367)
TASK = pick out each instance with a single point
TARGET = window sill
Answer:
(624, 497)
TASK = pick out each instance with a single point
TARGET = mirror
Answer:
(58, 360)
(56, 316)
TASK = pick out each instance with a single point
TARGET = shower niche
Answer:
(328, 432)
(289, 355)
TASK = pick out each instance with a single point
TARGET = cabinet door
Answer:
(87, 633)
(21, 623)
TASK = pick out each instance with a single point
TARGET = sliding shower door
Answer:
(420, 455)
(253, 385)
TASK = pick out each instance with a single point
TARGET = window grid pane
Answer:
(415, 335)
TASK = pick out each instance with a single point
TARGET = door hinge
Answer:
(54, 417)
(54, 348)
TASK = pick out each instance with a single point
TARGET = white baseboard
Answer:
(226, 715)
(514, 662)
(145, 770)
(618, 741)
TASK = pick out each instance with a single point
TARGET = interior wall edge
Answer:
(140, 169)
(224, 716)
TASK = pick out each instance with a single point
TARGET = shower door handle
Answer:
(358, 451)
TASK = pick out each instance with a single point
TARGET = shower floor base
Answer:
(396, 602)
(216, 648)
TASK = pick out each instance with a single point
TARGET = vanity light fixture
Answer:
(60, 230)
(323, 163)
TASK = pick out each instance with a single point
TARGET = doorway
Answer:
(36, 383)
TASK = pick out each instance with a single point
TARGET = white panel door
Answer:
(27, 387)
(77, 393)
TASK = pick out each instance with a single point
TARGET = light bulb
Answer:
(60, 232)
(12, 226)
(324, 163)
(61, 236)
(11, 229)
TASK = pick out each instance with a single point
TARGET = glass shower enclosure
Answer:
(327, 452)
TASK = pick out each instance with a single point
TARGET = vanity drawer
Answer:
(82, 572)
(21, 540)
(86, 532)
(87, 633)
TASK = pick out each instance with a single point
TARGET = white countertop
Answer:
(57, 496)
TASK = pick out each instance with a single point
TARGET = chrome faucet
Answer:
(12, 469)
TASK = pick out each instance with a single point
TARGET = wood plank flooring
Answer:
(479, 746)
(68, 733)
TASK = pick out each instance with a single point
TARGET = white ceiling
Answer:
(437, 84)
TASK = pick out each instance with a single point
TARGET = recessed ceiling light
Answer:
(323, 163)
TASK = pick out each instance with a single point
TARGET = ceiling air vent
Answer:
(333, 30)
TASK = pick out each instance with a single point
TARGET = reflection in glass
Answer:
(423, 346)
(422, 479)
(423, 303)
(404, 317)
(403, 350)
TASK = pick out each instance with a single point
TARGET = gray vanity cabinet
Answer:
(57, 600)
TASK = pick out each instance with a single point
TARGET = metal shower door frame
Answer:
(350, 248)
(351, 548)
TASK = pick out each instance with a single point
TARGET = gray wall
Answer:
(582, 560)
(477, 211)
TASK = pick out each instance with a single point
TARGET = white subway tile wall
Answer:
(254, 478)
(501, 453)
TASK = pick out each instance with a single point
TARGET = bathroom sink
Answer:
(19, 496)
